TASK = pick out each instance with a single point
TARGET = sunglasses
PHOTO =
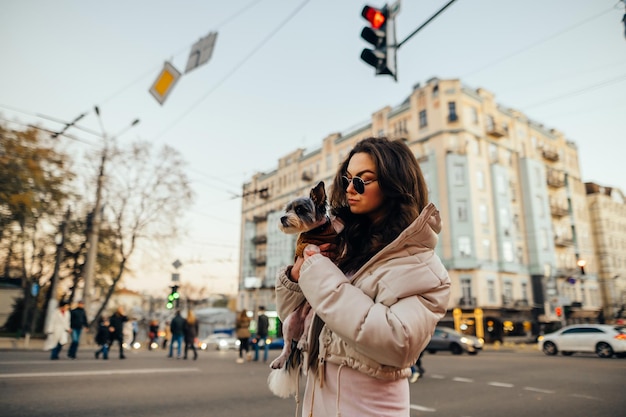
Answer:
(357, 183)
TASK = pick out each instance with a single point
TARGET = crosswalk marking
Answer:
(91, 373)
(420, 408)
(501, 384)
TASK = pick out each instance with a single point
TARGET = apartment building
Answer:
(516, 223)
(607, 208)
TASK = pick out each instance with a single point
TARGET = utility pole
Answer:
(93, 236)
(60, 241)
(96, 218)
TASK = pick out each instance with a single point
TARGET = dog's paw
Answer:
(278, 363)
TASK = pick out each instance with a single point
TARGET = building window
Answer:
(465, 246)
(452, 116)
(480, 180)
(507, 251)
(508, 290)
(466, 289)
(459, 174)
(491, 291)
(500, 184)
(490, 123)
(423, 121)
(487, 249)
(462, 211)
(483, 213)
(474, 115)
(493, 152)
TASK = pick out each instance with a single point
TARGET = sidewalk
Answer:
(12, 343)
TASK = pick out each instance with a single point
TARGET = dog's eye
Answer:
(300, 210)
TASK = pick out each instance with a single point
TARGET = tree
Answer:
(34, 187)
(146, 192)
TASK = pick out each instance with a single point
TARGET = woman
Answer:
(243, 334)
(377, 308)
(58, 330)
(191, 332)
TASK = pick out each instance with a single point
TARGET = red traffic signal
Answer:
(558, 311)
(376, 17)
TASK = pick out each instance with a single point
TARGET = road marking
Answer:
(459, 379)
(420, 408)
(90, 373)
(586, 397)
(435, 376)
(544, 391)
(501, 384)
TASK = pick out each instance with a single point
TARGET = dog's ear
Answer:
(318, 194)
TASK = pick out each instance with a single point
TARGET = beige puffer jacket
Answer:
(380, 319)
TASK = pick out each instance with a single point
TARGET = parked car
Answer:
(220, 341)
(453, 341)
(605, 340)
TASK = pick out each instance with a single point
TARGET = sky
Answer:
(285, 74)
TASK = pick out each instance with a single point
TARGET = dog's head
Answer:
(305, 213)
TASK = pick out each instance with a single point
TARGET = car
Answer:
(220, 341)
(450, 340)
(605, 340)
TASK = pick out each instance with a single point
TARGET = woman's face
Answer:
(369, 203)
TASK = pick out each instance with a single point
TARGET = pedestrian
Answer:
(177, 327)
(167, 334)
(103, 338)
(377, 306)
(58, 330)
(242, 325)
(135, 327)
(153, 334)
(417, 370)
(262, 328)
(191, 333)
(78, 322)
(117, 321)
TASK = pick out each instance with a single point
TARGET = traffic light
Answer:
(558, 311)
(381, 33)
(173, 297)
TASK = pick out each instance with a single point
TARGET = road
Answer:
(490, 384)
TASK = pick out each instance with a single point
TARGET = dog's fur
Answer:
(308, 217)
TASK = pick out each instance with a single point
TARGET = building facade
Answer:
(516, 222)
(607, 208)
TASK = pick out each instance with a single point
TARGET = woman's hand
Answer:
(325, 249)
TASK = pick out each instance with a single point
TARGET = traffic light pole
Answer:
(425, 23)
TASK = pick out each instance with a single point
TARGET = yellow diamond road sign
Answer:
(165, 82)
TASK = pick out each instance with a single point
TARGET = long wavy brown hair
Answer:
(405, 195)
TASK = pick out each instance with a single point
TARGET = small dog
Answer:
(307, 216)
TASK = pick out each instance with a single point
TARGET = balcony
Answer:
(259, 260)
(496, 132)
(558, 210)
(467, 302)
(563, 241)
(453, 117)
(550, 155)
(556, 179)
(507, 301)
(259, 218)
(258, 240)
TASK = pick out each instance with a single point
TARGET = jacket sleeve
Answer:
(288, 294)
(390, 330)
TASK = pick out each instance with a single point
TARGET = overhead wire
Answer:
(537, 43)
(234, 70)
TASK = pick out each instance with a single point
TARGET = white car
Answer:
(605, 340)
(220, 341)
